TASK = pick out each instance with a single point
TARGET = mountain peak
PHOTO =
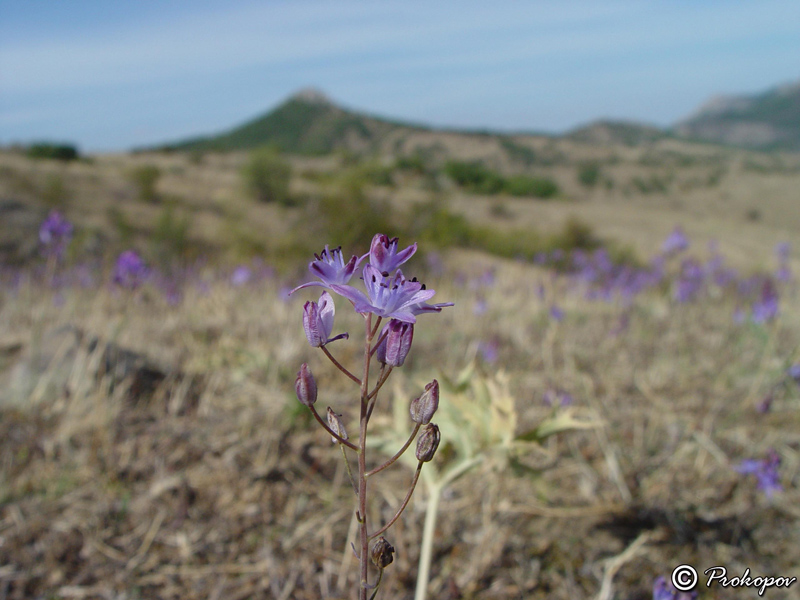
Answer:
(311, 95)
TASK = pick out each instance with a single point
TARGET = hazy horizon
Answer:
(107, 76)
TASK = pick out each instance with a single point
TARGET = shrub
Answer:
(537, 187)
(55, 192)
(267, 176)
(145, 178)
(348, 216)
(518, 152)
(412, 162)
(474, 177)
(589, 174)
(171, 234)
(63, 152)
(433, 224)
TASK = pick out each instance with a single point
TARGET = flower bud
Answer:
(397, 343)
(335, 423)
(428, 442)
(423, 408)
(381, 553)
(312, 325)
(305, 386)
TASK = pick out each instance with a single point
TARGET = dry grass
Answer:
(222, 488)
(215, 484)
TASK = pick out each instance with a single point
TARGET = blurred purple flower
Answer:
(765, 470)
(55, 234)
(782, 251)
(794, 372)
(765, 404)
(557, 398)
(783, 274)
(480, 307)
(383, 254)
(489, 351)
(676, 242)
(241, 275)
(664, 590)
(130, 271)
(766, 308)
(556, 313)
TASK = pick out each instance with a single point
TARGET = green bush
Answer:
(434, 225)
(63, 152)
(347, 217)
(171, 234)
(267, 176)
(589, 174)
(145, 178)
(518, 152)
(474, 177)
(55, 192)
(537, 187)
(412, 162)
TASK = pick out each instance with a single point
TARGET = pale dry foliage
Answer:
(218, 485)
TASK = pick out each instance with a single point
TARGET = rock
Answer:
(61, 360)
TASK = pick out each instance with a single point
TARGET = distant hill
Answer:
(310, 123)
(767, 121)
(306, 123)
(616, 132)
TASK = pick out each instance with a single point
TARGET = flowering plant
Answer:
(388, 295)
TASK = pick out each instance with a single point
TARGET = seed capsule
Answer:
(423, 408)
(336, 425)
(381, 553)
(305, 386)
(428, 442)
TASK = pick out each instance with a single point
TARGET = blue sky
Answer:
(111, 75)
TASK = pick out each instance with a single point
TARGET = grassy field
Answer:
(152, 445)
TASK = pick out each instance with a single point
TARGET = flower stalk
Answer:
(391, 296)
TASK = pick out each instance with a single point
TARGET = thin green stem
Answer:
(403, 505)
(377, 585)
(392, 460)
(340, 439)
(426, 549)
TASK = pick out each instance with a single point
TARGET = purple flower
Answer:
(383, 254)
(240, 276)
(664, 590)
(675, 242)
(480, 307)
(395, 343)
(55, 234)
(130, 270)
(393, 297)
(782, 250)
(765, 404)
(489, 351)
(794, 372)
(765, 470)
(331, 268)
(318, 321)
(766, 308)
(557, 398)
(556, 313)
